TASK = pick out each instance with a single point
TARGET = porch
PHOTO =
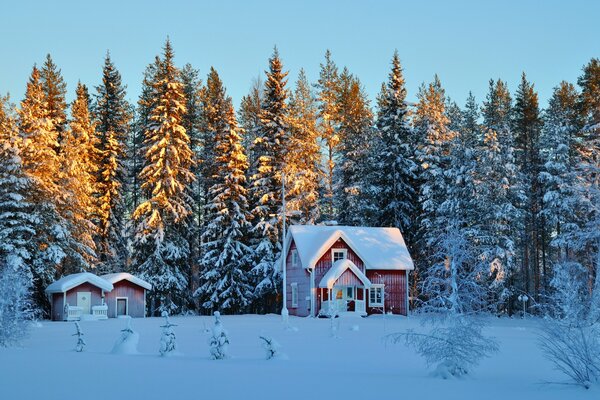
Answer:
(343, 290)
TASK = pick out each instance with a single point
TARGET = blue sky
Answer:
(465, 42)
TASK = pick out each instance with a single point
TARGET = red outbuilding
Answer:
(128, 296)
(336, 269)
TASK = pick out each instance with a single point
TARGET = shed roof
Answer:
(70, 281)
(378, 248)
(337, 269)
(120, 276)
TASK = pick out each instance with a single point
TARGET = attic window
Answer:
(339, 254)
(295, 258)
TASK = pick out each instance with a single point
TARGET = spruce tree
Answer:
(303, 159)
(224, 266)
(265, 184)
(355, 132)
(160, 248)
(394, 167)
(112, 117)
(526, 127)
(249, 119)
(55, 90)
(327, 96)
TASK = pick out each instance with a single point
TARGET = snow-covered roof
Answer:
(378, 248)
(120, 276)
(70, 281)
(337, 269)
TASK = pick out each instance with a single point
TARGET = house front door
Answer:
(84, 300)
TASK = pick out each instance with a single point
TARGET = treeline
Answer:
(186, 193)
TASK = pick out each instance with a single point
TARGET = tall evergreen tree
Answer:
(394, 165)
(303, 159)
(355, 132)
(224, 281)
(249, 119)
(328, 93)
(55, 90)
(265, 189)
(527, 126)
(160, 248)
(112, 117)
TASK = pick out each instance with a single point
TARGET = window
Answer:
(350, 292)
(294, 294)
(376, 296)
(295, 258)
(338, 254)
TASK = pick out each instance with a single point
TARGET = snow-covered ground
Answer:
(357, 365)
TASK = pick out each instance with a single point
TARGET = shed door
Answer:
(84, 300)
(121, 307)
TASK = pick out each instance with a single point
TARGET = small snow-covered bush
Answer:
(16, 310)
(570, 335)
(168, 343)
(80, 341)
(271, 347)
(218, 342)
(127, 342)
(454, 347)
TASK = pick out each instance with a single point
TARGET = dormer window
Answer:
(339, 254)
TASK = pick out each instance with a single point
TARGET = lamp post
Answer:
(523, 298)
(284, 311)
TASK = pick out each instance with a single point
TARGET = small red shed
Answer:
(128, 296)
(346, 269)
(77, 296)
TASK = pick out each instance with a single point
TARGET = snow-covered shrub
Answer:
(168, 343)
(457, 291)
(127, 342)
(271, 347)
(454, 346)
(80, 341)
(570, 334)
(218, 342)
(16, 310)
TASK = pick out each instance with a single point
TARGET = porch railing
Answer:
(100, 312)
(73, 313)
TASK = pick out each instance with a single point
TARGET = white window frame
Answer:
(372, 289)
(333, 251)
(295, 258)
(294, 295)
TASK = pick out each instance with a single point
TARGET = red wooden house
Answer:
(88, 296)
(346, 269)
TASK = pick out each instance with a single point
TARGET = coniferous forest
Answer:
(184, 188)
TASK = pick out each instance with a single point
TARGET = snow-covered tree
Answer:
(271, 347)
(80, 345)
(16, 308)
(265, 184)
(112, 117)
(394, 167)
(54, 89)
(355, 132)
(327, 95)
(160, 248)
(224, 279)
(218, 341)
(303, 154)
(249, 119)
(168, 341)
(127, 342)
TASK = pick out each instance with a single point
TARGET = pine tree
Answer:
(41, 164)
(559, 208)
(112, 117)
(160, 248)
(328, 92)
(527, 126)
(394, 167)
(265, 189)
(55, 90)
(249, 119)
(303, 159)
(355, 132)
(497, 194)
(224, 280)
